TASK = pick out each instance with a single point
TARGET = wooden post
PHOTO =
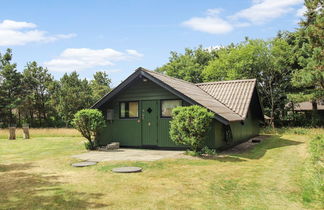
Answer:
(12, 133)
(26, 132)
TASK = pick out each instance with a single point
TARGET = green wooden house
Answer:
(138, 111)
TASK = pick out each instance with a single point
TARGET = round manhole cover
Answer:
(127, 170)
(84, 163)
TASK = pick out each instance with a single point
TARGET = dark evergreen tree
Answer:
(71, 95)
(310, 51)
(100, 85)
(11, 89)
(36, 103)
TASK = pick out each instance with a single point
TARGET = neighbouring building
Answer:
(306, 108)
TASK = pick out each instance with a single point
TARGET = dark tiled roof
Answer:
(228, 99)
(235, 94)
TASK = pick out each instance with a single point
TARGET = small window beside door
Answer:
(167, 106)
(128, 110)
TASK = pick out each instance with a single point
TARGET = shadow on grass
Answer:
(22, 190)
(15, 167)
(259, 150)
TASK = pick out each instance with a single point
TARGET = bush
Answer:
(189, 126)
(208, 151)
(88, 146)
(203, 152)
(89, 122)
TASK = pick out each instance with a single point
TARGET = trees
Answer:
(24, 96)
(11, 88)
(310, 48)
(36, 98)
(100, 85)
(36, 101)
(189, 126)
(188, 66)
(275, 81)
(70, 95)
(89, 122)
(242, 61)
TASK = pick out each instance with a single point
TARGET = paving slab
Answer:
(84, 164)
(129, 154)
(127, 169)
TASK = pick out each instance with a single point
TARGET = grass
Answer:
(292, 130)
(43, 132)
(313, 173)
(36, 174)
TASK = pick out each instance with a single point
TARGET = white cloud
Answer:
(300, 12)
(212, 23)
(260, 12)
(10, 24)
(20, 33)
(263, 11)
(135, 53)
(78, 59)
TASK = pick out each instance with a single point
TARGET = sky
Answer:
(120, 36)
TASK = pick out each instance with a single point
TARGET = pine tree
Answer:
(100, 85)
(72, 94)
(36, 102)
(311, 56)
(11, 88)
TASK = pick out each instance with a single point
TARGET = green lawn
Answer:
(36, 174)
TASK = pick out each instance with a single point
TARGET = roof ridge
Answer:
(221, 102)
(227, 81)
(155, 72)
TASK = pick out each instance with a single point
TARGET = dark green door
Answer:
(149, 123)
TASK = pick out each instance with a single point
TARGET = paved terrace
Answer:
(129, 154)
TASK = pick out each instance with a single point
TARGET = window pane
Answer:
(129, 109)
(168, 105)
(133, 109)
(123, 110)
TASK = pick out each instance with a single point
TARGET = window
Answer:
(167, 107)
(128, 109)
